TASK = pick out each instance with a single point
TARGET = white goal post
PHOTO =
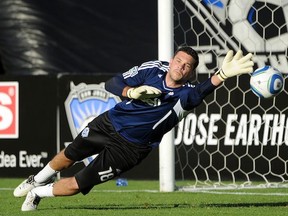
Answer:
(234, 139)
(165, 52)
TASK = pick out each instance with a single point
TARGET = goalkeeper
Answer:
(157, 95)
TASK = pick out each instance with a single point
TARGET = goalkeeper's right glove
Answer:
(143, 92)
(235, 65)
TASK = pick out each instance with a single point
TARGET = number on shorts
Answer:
(106, 175)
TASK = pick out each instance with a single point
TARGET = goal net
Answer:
(234, 139)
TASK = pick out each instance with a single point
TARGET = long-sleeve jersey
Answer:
(146, 121)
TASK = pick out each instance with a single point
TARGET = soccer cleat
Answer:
(31, 202)
(27, 185)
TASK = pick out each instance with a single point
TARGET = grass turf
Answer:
(143, 198)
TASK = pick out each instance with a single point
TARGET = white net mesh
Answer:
(234, 138)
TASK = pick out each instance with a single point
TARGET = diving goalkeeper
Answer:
(158, 95)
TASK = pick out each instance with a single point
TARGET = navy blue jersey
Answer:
(146, 121)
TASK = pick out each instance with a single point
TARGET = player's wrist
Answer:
(125, 91)
(221, 75)
(129, 92)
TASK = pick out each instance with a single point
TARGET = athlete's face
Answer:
(181, 69)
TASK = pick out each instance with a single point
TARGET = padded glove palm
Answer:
(235, 65)
(143, 92)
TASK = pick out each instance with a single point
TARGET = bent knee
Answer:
(66, 187)
(60, 162)
(73, 184)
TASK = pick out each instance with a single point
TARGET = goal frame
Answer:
(167, 147)
(165, 52)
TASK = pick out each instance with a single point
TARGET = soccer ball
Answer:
(266, 82)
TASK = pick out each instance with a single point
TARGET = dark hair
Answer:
(190, 51)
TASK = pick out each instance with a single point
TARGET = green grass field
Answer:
(142, 198)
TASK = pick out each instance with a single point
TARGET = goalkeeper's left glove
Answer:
(235, 65)
(143, 92)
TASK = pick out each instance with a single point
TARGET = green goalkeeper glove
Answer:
(235, 65)
(143, 92)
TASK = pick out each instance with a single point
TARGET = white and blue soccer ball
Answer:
(266, 82)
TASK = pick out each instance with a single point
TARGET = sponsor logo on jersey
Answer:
(9, 118)
(131, 73)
